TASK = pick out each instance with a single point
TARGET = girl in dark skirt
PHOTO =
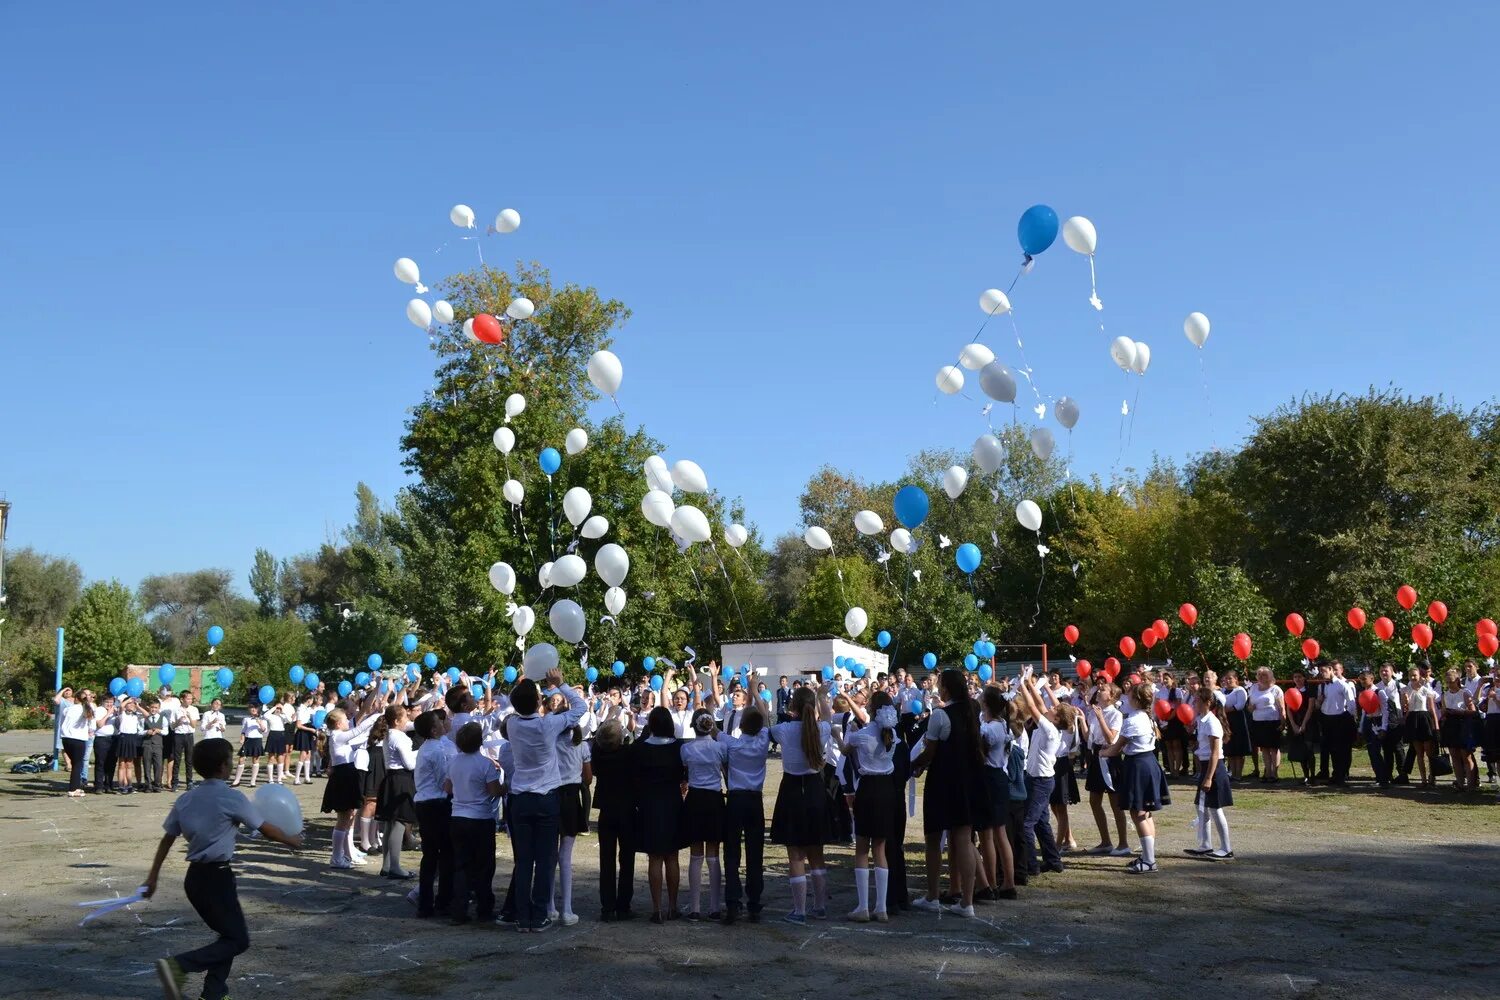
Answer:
(371, 766)
(1065, 782)
(1267, 718)
(1172, 735)
(1302, 726)
(954, 795)
(343, 794)
(802, 820)
(395, 806)
(252, 745)
(304, 741)
(1213, 782)
(1457, 732)
(703, 814)
(995, 856)
(1421, 700)
(1237, 745)
(876, 799)
(1143, 787)
(573, 817)
(659, 774)
(1102, 779)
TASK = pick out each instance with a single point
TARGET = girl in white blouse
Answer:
(875, 796)
(395, 805)
(703, 813)
(1421, 701)
(1143, 787)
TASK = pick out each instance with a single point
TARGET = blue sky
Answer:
(205, 349)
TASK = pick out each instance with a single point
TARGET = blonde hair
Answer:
(333, 718)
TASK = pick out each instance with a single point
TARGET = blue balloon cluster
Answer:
(167, 673)
(984, 649)
(549, 460)
(430, 661)
(408, 643)
(267, 694)
(618, 668)
(910, 505)
(859, 670)
(225, 677)
(929, 660)
(373, 661)
(967, 557)
(882, 638)
(296, 674)
(215, 635)
(311, 682)
(1037, 229)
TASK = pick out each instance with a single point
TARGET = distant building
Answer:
(800, 656)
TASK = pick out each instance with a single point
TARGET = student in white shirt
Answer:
(1041, 765)
(130, 722)
(213, 722)
(702, 822)
(875, 801)
(744, 753)
(801, 821)
(343, 795)
(184, 725)
(73, 729)
(996, 859)
(252, 745)
(105, 718)
(474, 782)
(304, 740)
(434, 814)
(1336, 707)
(1143, 787)
(1267, 718)
(1421, 715)
(1102, 778)
(395, 804)
(1213, 795)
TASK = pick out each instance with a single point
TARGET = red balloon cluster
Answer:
(1488, 643)
(1384, 628)
(1356, 618)
(1160, 628)
(1293, 699)
(1369, 700)
(1163, 709)
(1295, 623)
(1485, 626)
(488, 329)
(1185, 714)
(1406, 596)
(1188, 614)
(1311, 649)
(1421, 634)
(1242, 646)
(1438, 612)
(1071, 635)
(1084, 668)
(1127, 646)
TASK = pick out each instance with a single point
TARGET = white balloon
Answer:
(994, 303)
(1122, 350)
(461, 216)
(975, 356)
(520, 308)
(594, 527)
(690, 524)
(1142, 359)
(901, 541)
(657, 506)
(950, 379)
(997, 382)
(513, 491)
(508, 221)
(503, 578)
(955, 478)
(469, 332)
(523, 620)
(1066, 411)
(612, 563)
(867, 522)
(567, 620)
(1079, 235)
(855, 621)
(576, 441)
(614, 600)
(539, 660)
(688, 477)
(419, 312)
(515, 404)
(989, 453)
(1196, 328)
(505, 440)
(1029, 514)
(279, 807)
(736, 535)
(817, 539)
(442, 311)
(544, 575)
(1042, 443)
(606, 372)
(576, 505)
(658, 476)
(406, 270)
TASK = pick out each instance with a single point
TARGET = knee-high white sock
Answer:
(239, 771)
(882, 883)
(799, 893)
(340, 846)
(1221, 827)
(862, 888)
(565, 869)
(255, 772)
(695, 881)
(394, 833)
(361, 833)
(715, 886)
(820, 887)
(1148, 850)
(1203, 843)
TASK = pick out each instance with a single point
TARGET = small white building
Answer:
(799, 656)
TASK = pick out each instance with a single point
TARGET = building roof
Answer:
(789, 638)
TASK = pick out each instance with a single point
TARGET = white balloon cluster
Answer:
(1130, 355)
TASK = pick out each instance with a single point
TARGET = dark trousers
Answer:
(150, 762)
(473, 866)
(182, 759)
(1037, 825)
(1338, 737)
(210, 888)
(104, 762)
(434, 816)
(745, 820)
(1015, 822)
(616, 862)
(897, 893)
(1384, 751)
(534, 824)
(75, 751)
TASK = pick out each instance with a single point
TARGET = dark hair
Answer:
(754, 720)
(659, 721)
(993, 703)
(804, 705)
(425, 724)
(525, 698)
(699, 725)
(962, 713)
(559, 703)
(469, 737)
(879, 700)
(953, 686)
(211, 756)
(457, 698)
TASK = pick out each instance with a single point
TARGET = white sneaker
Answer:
(359, 859)
(341, 865)
(1121, 852)
(569, 919)
(552, 914)
(880, 917)
(927, 905)
(860, 915)
(959, 910)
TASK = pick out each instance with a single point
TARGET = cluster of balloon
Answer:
(480, 329)
(1132, 356)
(1486, 636)
(215, 635)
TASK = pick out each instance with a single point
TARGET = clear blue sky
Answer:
(205, 349)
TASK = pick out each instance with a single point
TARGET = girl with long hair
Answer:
(802, 819)
(1421, 708)
(659, 776)
(396, 802)
(952, 751)
(343, 795)
(1143, 786)
(1458, 708)
(995, 856)
(873, 748)
(1267, 718)
(1103, 776)
(573, 768)
(703, 813)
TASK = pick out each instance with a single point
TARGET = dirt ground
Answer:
(1334, 894)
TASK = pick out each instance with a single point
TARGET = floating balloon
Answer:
(1295, 623)
(167, 672)
(955, 478)
(950, 379)
(406, 271)
(576, 441)
(902, 542)
(855, 621)
(1142, 359)
(614, 600)
(488, 330)
(520, 308)
(657, 507)
(882, 639)
(567, 620)
(361, 679)
(549, 460)
(867, 522)
(296, 674)
(591, 675)
(510, 674)
(1438, 612)
(311, 682)
(1037, 229)
(544, 575)
(688, 477)
(929, 660)
(502, 578)
(505, 440)
(1083, 668)
(971, 663)
(279, 807)
(523, 621)
(513, 491)
(576, 505)
(1485, 626)
(1196, 329)
(515, 405)
(419, 312)
(967, 557)
(594, 527)
(461, 216)
(1111, 667)
(1188, 614)
(1488, 643)
(1148, 638)
(1293, 699)
(910, 504)
(215, 635)
(1384, 628)
(1311, 649)
(1078, 233)
(1042, 443)
(345, 689)
(817, 539)
(1406, 597)
(1066, 412)
(656, 683)
(409, 643)
(1070, 634)
(993, 302)
(618, 667)
(989, 453)
(430, 661)
(658, 476)
(736, 535)
(975, 356)
(1421, 634)
(606, 372)
(135, 687)
(508, 221)
(997, 382)
(538, 660)
(1127, 646)
(612, 564)
(1160, 628)
(1122, 352)
(690, 524)
(442, 311)
(569, 570)
(1029, 514)
(648, 663)
(1355, 618)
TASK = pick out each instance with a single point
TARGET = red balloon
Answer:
(1295, 623)
(1485, 626)
(1421, 634)
(1488, 643)
(1111, 667)
(1127, 646)
(1071, 634)
(1384, 628)
(1311, 649)
(1133, 680)
(1293, 699)
(1369, 700)
(1406, 597)
(1163, 709)
(1185, 714)
(1148, 638)
(1084, 668)
(1437, 611)
(1356, 618)
(1242, 646)
(488, 329)
(1188, 614)
(1160, 628)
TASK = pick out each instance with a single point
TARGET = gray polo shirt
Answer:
(207, 815)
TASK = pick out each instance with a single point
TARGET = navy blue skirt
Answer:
(276, 743)
(1218, 795)
(1093, 778)
(1142, 787)
(252, 747)
(302, 740)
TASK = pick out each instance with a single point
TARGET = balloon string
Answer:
(551, 521)
(515, 510)
(702, 596)
(1026, 365)
(1208, 400)
(730, 584)
(1040, 580)
(1094, 292)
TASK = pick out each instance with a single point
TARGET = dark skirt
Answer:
(876, 802)
(396, 803)
(276, 743)
(997, 783)
(127, 746)
(949, 800)
(703, 816)
(802, 817)
(571, 819)
(1492, 738)
(343, 789)
(1174, 730)
(1218, 795)
(1266, 734)
(1239, 743)
(370, 780)
(1064, 783)
(661, 820)
(1456, 733)
(1421, 728)
(1143, 788)
(1093, 778)
(253, 747)
(304, 741)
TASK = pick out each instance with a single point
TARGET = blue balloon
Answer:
(267, 694)
(985, 673)
(971, 663)
(656, 682)
(477, 690)
(215, 635)
(408, 643)
(166, 672)
(838, 661)
(765, 696)
(134, 687)
(549, 460)
(859, 670)
(430, 661)
(929, 660)
(591, 675)
(828, 673)
(510, 675)
(117, 686)
(979, 648)
(344, 688)
(311, 682)
(319, 717)
(618, 668)
(726, 672)
(373, 661)
(296, 674)
(385, 685)
(648, 664)
(453, 674)
(398, 684)
(361, 679)
(1037, 229)
(883, 639)
(910, 505)
(413, 672)
(967, 557)
(916, 706)
(989, 650)
(225, 677)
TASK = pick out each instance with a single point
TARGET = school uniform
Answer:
(703, 808)
(151, 751)
(802, 816)
(1237, 707)
(951, 795)
(276, 744)
(169, 707)
(184, 724)
(304, 738)
(1103, 773)
(104, 749)
(434, 814)
(1064, 781)
(396, 801)
(343, 791)
(1455, 731)
(128, 737)
(1041, 764)
(899, 897)
(215, 725)
(659, 774)
(876, 797)
(1380, 739)
(472, 832)
(1337, 719)
(1143, 786)
(73, 730)
(252, 743)
(1207, 729)
(533, 810)
(572, 811)
(615, 798)
(744, 816)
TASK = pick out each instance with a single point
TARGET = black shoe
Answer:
(731, 914)
(625, 914)
(753, 916)
(948, 898)
(1005, 894)
(656, 918)
(606, 916)
(693, 916)
(1056, 869)
(543, 927)
(1402, 780)
(506, 919)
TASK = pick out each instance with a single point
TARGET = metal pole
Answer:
(57, 722)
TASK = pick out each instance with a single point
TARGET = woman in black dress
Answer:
(954, 794)
(659, 777)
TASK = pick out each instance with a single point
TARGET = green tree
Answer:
(262, 650)
(104, 634)
(40, 590)
(179, 608)
(265, 583)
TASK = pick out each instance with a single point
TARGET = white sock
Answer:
(1221, 827)
(361, 832)
(1148, 850)
(565, 867)
(255, 771)
(862, 887)
(715, 886)
(695, 881)
(820, 887)
(799, 893)
(882, 882)
(1203, 844)
(239, 771)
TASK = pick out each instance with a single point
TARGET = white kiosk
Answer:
(799, 656)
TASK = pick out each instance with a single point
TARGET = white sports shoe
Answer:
(860, 915)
